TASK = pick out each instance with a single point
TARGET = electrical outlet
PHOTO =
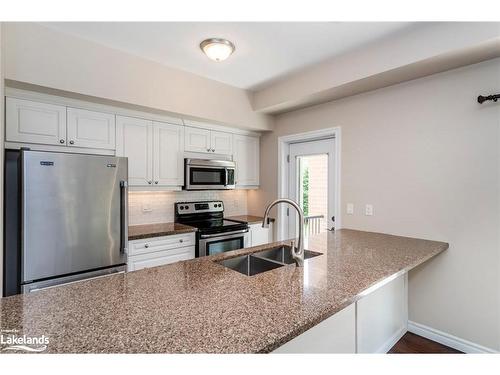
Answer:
(369, 210)
(350, 209)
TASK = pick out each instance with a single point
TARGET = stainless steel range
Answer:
(215, 234)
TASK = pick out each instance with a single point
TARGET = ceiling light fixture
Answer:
(217, 49)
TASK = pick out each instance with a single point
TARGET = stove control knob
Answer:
(186, 207)
(181, 207)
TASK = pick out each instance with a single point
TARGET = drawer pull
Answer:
(181, 240)
(146, 245)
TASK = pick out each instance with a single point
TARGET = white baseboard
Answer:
(447, 339)
(392, 341)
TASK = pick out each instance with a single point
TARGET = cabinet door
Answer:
(91, 129)
(197, 140)
(134, 139)
(160, 258)
(34, 122)
(168, 149)
(221, 142)
(246, 157)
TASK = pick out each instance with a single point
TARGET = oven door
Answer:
(210, 244)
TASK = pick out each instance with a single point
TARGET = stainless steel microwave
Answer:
(203, 174)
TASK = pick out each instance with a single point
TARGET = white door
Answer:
(246, 157)
(197, 140)
(91, 129)
(134, 139)
(168, 148)
(33, 122)
(221, 142)
(312, 184)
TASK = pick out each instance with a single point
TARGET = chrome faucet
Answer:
(297, 251)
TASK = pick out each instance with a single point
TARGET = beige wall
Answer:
(427, 156)
(41, 56)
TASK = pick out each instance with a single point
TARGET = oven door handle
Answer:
(226, 234)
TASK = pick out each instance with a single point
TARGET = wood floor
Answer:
(414, 344)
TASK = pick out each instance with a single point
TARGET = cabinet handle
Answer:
(150, 182)
(61, 141)
(181, 240)
(156, 182)
(146, 245)
(208, 150)
(71, 142)
(213, 150)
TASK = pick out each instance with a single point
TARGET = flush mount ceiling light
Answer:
(217, 49)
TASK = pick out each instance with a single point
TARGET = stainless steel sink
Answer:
(250, 265)
(283, 254)
(262, 261)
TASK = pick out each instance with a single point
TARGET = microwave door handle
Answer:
(227, 177)
(124, 217)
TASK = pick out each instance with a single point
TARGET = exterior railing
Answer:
(312, 224)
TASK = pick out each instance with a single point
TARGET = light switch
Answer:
(350, 209)
(369, 210)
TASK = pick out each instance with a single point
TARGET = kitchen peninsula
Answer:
(199, 306)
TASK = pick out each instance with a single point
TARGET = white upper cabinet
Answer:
(134, 139)
(197, 140)
(90, 129)
(33, 122)
(246, 156)
(221, 142)
(168, 149)
(208, 141)
(154, 151)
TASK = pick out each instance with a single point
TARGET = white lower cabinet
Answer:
(259, 235)
(158, 251)
(373, 324)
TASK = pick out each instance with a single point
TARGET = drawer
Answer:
(154, 244)
(160, 258)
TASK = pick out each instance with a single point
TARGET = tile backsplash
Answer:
(147, 207)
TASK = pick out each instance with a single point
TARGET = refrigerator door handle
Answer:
(124, 216)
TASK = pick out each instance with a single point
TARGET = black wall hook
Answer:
(481, 99)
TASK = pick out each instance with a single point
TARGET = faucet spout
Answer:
(297, 251)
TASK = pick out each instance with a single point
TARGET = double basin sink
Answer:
(265, 260)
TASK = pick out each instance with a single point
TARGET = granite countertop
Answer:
(250, 219)
(198, 306)
(137, 232)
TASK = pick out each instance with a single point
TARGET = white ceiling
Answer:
(264, 51)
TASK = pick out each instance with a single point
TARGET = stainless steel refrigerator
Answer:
(65, 218)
